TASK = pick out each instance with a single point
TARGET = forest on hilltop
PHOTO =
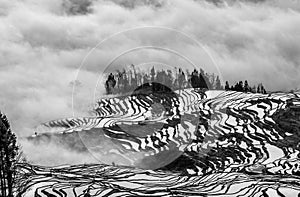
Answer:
(120, 82)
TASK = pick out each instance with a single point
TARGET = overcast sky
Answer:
(42, 43)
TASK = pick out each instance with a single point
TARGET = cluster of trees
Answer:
(126, 81)
(9, 156)
(245, 87)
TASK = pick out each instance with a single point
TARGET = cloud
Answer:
(42, 43)
(47, 154)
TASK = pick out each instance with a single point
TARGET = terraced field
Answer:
(221, 143)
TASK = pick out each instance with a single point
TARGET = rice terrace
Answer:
(149, 98)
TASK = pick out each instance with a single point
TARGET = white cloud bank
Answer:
(41, 45)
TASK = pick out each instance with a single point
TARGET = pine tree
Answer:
(263, 90)
(8, 154)
(202, 82)
(258, 89)
(246, 86)
(241, 86)
(110, 84)
(208, 83)
(218, 83)
(125, 82)
(195, 79)
(152, 73)
(181, 79)
(227, 87)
